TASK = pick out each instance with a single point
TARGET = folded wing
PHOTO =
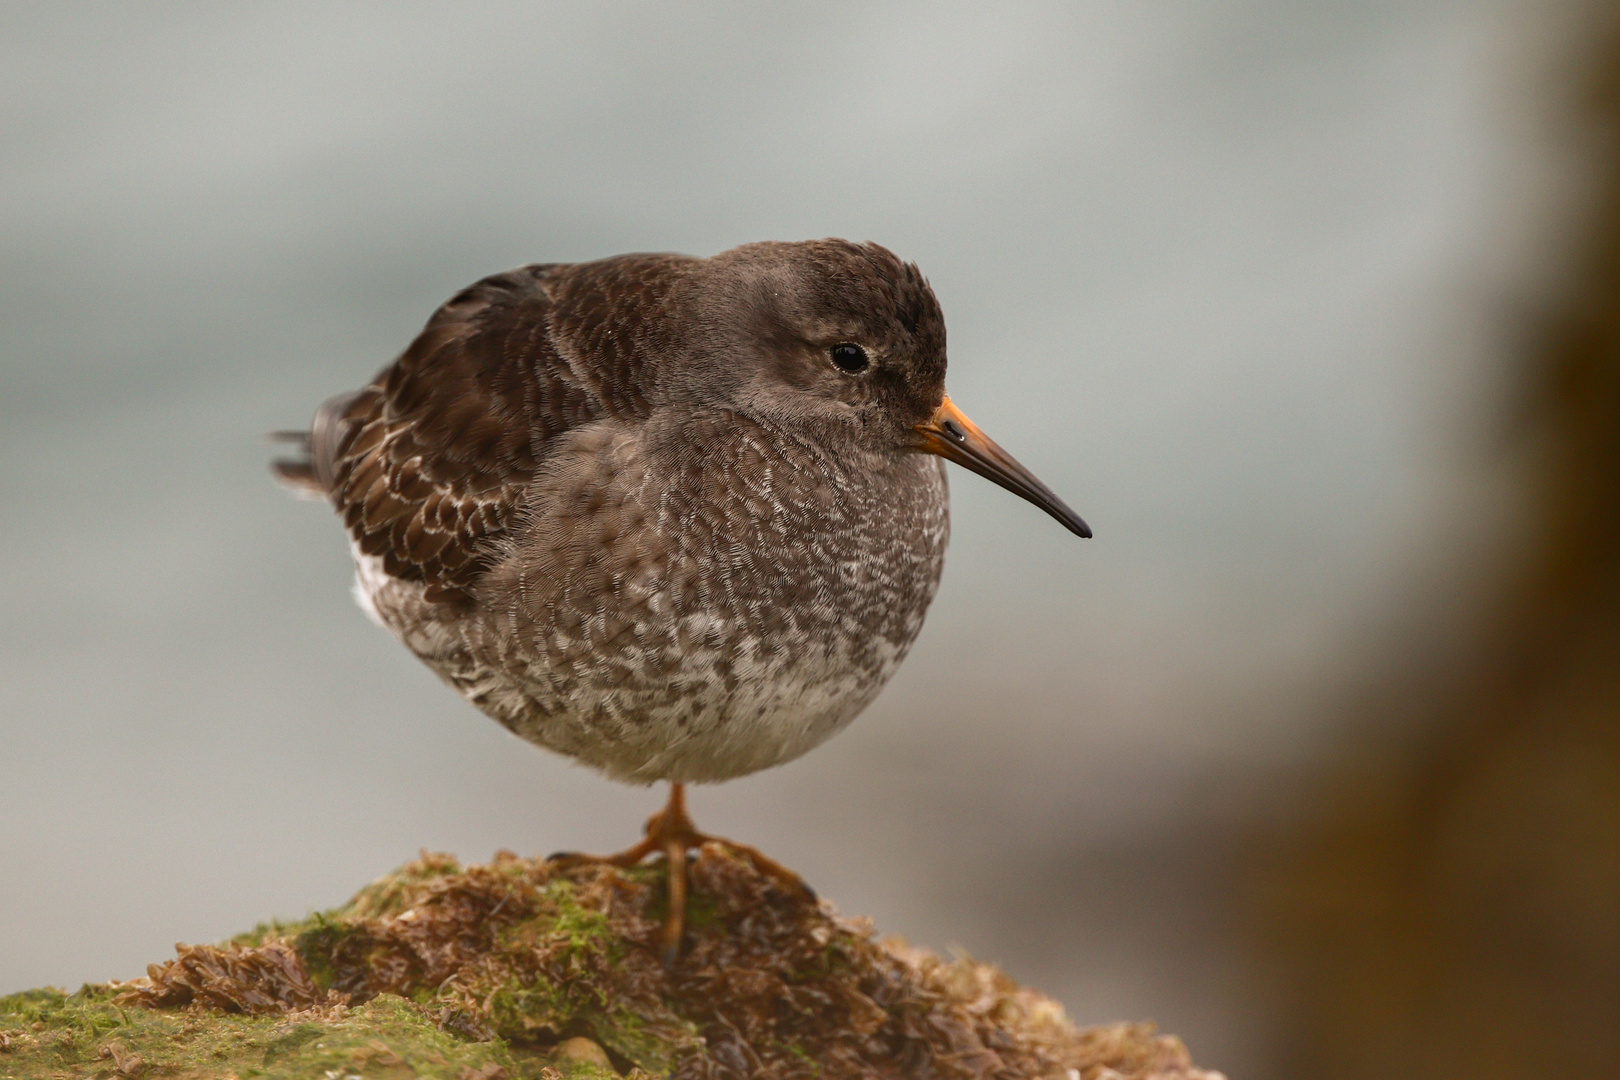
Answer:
(429, 462)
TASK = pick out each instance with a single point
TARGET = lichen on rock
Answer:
(526, 968)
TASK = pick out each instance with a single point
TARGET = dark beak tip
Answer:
(1070, 520)
(954, 437)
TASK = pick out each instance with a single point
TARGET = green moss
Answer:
(569, 991)
(654, 1047)
(315, 942)
(265, 931)
(583, 928)
(52, 1034)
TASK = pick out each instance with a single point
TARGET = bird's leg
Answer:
(672, 828)
(672, 832)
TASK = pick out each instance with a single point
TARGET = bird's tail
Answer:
(310, 472)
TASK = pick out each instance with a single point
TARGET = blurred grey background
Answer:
(1229, 276)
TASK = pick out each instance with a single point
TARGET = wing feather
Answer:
(429, 462)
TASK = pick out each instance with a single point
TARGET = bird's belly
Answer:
(710, 701)
(694, 656)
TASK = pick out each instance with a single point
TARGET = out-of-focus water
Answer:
(1221, 274)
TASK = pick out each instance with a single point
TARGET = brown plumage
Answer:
(674, 517)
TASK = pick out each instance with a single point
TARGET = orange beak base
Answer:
(951, 435)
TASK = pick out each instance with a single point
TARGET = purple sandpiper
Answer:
(677, 518)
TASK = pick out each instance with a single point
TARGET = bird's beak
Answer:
(951, 435)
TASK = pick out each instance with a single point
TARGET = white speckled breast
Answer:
(690, 600)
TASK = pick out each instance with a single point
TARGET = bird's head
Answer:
(848, 339)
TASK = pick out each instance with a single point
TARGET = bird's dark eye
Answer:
(850, 358)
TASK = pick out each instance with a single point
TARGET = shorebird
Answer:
(677, 518)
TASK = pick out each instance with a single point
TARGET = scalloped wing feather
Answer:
(429, 462)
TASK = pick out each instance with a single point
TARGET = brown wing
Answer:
(428, 463)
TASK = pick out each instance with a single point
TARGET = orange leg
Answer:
(671, 832)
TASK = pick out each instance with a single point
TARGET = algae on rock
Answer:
(506, 970)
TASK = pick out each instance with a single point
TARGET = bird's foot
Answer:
(672, 833)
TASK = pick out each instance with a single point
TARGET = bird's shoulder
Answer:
(429, 462)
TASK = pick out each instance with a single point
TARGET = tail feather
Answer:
(311, 472)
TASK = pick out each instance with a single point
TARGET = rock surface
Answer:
(527, 969)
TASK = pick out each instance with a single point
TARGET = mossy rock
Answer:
(524, 968)
(90, 1034)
